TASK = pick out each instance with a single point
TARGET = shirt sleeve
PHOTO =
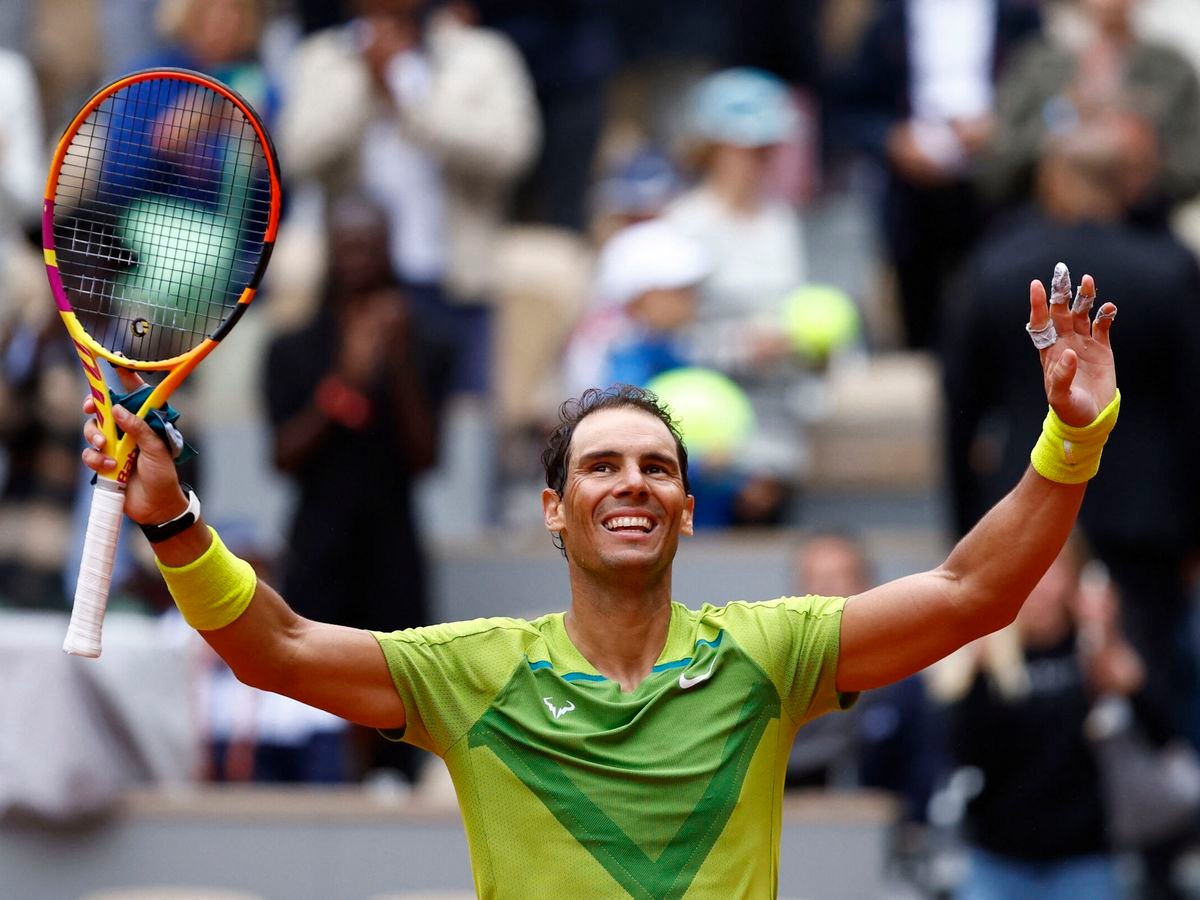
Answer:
(448, 675)
(796, 641)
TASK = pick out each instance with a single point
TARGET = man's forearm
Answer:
(902, 626)
(999, 561)
(243, 620)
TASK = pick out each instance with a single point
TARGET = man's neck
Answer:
(621, 633)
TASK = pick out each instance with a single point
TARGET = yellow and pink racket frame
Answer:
(89, 351)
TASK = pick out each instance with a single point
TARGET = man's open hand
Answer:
(1077, 368)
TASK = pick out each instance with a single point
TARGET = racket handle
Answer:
(95, 571)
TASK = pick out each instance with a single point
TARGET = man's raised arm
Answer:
(341, 670)
(900, 627)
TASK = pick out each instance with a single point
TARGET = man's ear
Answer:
(685, 522)
(552, 509)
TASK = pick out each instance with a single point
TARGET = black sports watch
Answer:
(156, 534)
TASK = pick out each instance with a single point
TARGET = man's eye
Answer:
(602, 467)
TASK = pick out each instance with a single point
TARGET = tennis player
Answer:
(632, 746)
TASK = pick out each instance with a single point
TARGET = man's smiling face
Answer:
(623, 506)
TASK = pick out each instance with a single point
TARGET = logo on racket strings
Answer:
(139, 327)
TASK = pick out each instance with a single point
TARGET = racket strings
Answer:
(162, 202)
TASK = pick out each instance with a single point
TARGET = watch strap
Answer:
(156, 534)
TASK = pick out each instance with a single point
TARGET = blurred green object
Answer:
(713, 414)
(185, 254)
(820, 319)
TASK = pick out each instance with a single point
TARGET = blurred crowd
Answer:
(494, 204)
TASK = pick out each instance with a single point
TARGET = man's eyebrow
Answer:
(651, 456)
(655, 456)
(596, 455)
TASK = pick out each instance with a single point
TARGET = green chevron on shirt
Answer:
(693, 812)
(571, 787)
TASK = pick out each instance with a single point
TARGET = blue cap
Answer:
(641, 184)
(745, 107)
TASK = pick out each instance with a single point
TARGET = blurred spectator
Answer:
(432, 117)
(22, 165)
(39, 387)
(1141, 515)
(15, 23)
(738, 120)
(354, 401)
(1098, 67)
(129, 31)
(216, 37)
(918, 98)
(1037, 827)
(571, 50)
(220, 38)
(889, 740)
(638, 326)
(634, 188)
(268, 738)
(643, 298)
(39, 403)
(316, 15)
(63, 48)
(1140, 520)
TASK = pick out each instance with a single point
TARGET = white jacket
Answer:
(478, 121)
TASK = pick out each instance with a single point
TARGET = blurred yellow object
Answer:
(820, 319)
(713, 414)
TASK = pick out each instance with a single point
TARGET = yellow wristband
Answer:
(213, 589)
(1069, 454)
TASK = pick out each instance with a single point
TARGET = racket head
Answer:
(160, 212)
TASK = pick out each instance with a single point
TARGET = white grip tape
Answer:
(95, 571)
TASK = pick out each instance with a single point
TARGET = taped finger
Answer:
(1083, 302)
(1103, 324)
(1060, 300)
(1060, 285)
(1043, 337)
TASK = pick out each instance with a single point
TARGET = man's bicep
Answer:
(337, 669)
(897, 629)
(344, 671)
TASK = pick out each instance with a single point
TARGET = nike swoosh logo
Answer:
(685, 682)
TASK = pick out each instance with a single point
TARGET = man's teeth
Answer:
(628, 522)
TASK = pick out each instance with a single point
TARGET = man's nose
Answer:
(632, 480)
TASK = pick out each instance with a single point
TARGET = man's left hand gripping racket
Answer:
(159, 217)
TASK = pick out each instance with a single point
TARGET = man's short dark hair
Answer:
(572, 412)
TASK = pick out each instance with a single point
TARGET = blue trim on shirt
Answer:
(680, 663)
(582, 676)
(661, 667)
(677, 664)
(715, 642)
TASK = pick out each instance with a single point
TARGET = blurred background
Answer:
(810, 227)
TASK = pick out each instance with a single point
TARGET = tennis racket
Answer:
(159, 217)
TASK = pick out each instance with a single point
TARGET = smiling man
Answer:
(631, 745)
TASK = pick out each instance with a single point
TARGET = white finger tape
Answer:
(1060, 284)
(1083, 303)
(1043, 337)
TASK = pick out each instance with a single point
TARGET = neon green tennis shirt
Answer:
(571, 788)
